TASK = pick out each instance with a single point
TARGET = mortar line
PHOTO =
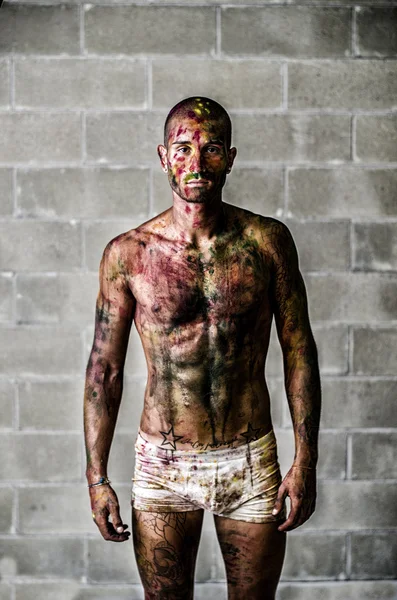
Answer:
(353, 139)
(348, 555)
(355, 50)
(349, 456)
(353, 245)
(284, 85)
(285, 175)
(149, 83)
(11, 79)
(218, 32)
(82, 31)
(150, 193)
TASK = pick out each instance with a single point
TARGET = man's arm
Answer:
(104, 384)
(301, 375)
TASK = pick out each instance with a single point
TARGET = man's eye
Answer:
(212, 149)
(182, 148)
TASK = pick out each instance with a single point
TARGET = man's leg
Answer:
(253, 555)
(165, 546)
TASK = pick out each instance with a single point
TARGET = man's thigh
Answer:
(165, 546)
(253, 554)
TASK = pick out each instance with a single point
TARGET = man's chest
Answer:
(179, 287)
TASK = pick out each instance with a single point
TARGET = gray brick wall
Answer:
(311, 87)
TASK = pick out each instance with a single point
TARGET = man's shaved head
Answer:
(201, 109)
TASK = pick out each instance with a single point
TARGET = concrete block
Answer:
(331, 448)
(33, 137)
(312, 555)
(343, 85)
(352, 590)
(355, 192)
(40, 246)
(374, 351)
(98, 234)
(42, 557)
(210, 565)
(7, 203)
(131, 404)
(376, 31)
(286, 31)
(322, 246)
(7, 400)
(375, 247)
(6, 591)
(76, 591)
(40, 351)
(82, 193)
(358, 403)
(149, 29)
(332, 455)
(111, 563)
(255, 189)
(40, 457)
(285, 449)
(40, 29)
(277, 400)
(4, 83)
(6, 298)
(62, 298)
(374, 456)
(354, 505)
(122, 457)
(215, 591)
(332, 348)
(135, 362)
(122, 136)
(64, 509)
(6, 509)
(333, 297)
(89, 83)
(292, 137)
(258, 190)
(376, 138)
(238, 84)
(60, 404)
(373, 555)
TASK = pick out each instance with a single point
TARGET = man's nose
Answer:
(197, 163)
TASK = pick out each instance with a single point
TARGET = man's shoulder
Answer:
(128, 242)
(269, 229)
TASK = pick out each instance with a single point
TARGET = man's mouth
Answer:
(198, 182)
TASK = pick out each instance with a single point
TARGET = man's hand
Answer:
(104, 502)
(300, 485)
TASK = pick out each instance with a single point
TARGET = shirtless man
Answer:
(202, 282)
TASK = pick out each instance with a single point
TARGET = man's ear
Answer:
(162, 152)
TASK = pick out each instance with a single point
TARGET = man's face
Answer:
(197, 158)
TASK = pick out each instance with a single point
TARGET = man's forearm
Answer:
(101, 405)
(303, 388)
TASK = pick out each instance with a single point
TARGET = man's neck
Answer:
(198, 222)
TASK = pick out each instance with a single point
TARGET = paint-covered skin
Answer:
(202, 282)
(204, 319)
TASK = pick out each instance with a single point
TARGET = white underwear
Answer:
(239, 483)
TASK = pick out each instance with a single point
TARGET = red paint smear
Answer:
(196, 135)
(188, 209)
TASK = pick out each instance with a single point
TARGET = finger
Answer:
(278, 505)
(292, 517)
(108, 532)
(117, 523)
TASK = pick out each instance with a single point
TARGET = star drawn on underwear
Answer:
(170, 438)
(251, 434)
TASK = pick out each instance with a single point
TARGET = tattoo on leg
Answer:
(160, 563)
